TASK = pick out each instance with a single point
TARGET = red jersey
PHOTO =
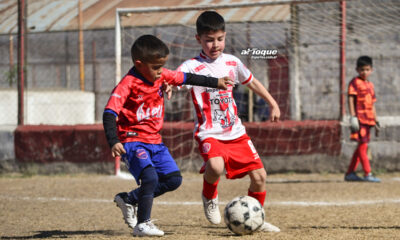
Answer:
(139, 105)
(364, 100)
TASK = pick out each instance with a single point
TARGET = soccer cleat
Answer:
(352, 177)
(211, 210)
(128, 210)
(371, 178)
(268, 227)
(147, 229)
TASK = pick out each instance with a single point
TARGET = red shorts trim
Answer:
(240, 155)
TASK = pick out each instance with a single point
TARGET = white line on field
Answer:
(271, 203)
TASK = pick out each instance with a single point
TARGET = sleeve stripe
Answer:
(111, 111)
(184, 78)
(248, 80)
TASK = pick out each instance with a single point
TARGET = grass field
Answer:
(304, 206)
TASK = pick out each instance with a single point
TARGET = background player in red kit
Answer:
(361, 97)
(222, 138)
(133, 118)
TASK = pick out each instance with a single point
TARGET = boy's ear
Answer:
(198, 38)
(137, 63)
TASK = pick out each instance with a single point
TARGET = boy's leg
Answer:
(148, 184)
(362, 148)
(258, 191)
(168, 183)
(125, 201)
(354, 161)
(214, 169)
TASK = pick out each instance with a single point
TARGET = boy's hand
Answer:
(167, 89)
(354, 124)
(275, 114)
(117, 150)
(224, 82)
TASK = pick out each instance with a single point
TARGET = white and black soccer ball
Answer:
(244, 215)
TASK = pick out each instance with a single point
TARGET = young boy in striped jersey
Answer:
(223, 142)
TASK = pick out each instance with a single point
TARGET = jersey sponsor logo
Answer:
(132, 134)
(221, 100)
(155, 112)
(211, 90)
(141, 154)
(231, 63)
(206, 147)
(199, 68)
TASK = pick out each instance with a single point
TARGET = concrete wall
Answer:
(48, 107)
(310, 146)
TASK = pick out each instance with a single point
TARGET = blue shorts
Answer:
(140, 155)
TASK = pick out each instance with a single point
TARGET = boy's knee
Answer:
(258, 177)
(149, 178)
(174, 182)
(215, 166)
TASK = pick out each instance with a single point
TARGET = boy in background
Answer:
(361, 98)
(133, 118)
(223, 142)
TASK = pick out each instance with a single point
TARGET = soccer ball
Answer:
(244, 215)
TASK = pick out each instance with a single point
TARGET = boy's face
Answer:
(151, 70)
(364, 71)
(213, 43)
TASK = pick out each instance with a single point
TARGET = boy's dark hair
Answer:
(148, 48)
(364, 61)
(209, 21)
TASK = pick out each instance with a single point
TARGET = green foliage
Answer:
(11, 76)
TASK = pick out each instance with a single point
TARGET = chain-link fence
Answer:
(53, 92)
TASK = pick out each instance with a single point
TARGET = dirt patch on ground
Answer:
(309, 206)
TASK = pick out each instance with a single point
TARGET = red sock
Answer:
(260, 196)
(210, 190)
(363, 147)
(354, 161)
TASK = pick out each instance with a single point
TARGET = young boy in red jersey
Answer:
(223, 142)
(361, 97)
(133, 118)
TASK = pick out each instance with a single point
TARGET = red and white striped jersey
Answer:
(215, 111)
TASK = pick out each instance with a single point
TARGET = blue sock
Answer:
(145, 193)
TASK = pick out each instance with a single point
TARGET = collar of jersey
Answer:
(134, 72)
(207, 58)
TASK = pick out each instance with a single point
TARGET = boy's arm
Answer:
(179, 78)
(260, 90)
(354, 124)
(352, 105)
(204, 81)
(110, 129)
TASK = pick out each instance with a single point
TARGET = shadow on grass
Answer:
(63, 234)
(351, 227)
(284, 181)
